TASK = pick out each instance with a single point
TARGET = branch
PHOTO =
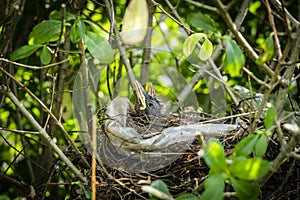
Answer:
(50, 113)
(147, 49)
(121, 47)
(42, 132)
(34, 67)
(277, 4)
(238, 21)
(288, 74)
(271, 19)
(283, 155)
(240, 38)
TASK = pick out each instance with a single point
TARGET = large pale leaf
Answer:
(234, 58)
(46, 31)
(135, 22)
(24, 51)
(99, 47)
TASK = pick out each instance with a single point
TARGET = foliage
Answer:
(249, 44)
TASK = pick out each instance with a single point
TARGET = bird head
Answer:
(146, 102)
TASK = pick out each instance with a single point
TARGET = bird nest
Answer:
(144, 143)
(185, 173)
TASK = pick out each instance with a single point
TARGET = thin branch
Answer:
(121, 47)
(204, 6)
(282, 156)
(147, 47)
(34, 67)
(50, 113)
(288, 74)
(240, 38)
(238, 21)
(180, 23)
(272, 23)
(277, 4)
(255, 78)
(42, 131)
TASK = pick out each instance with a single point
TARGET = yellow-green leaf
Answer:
(234, 58)
(267, 49)
(249, 169)
(191, 42)
(215, 156)
(206, 50)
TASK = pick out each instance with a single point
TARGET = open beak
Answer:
(140, 95)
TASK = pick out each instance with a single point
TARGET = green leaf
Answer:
(203, 22)
(261, 145)
(214, 187)
(234, 58)
(215, 156)
(206, 50)
(99, 47)
(244, 189)
(56, 15)
(270, 117)
(267, 50)
(77, 31)
(187, 197)
(249, 169)
(24, 51)
(245, 146)
(45, 56)
(161, 186)
(46, 31)
(94, 26)
(190, 43)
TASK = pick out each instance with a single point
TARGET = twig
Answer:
(238, 21)
(282, 156)
(277, 4)
(42, 131)
(272, 23)
(180, 23)
(147, 48)
(34, 67)
(121, 48)
(240, 38)
(50, 113)
(288, 74)
(204, 6)
(94, 156)
(255, 78)
(63, 13)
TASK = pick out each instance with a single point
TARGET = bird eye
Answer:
(150, 104)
